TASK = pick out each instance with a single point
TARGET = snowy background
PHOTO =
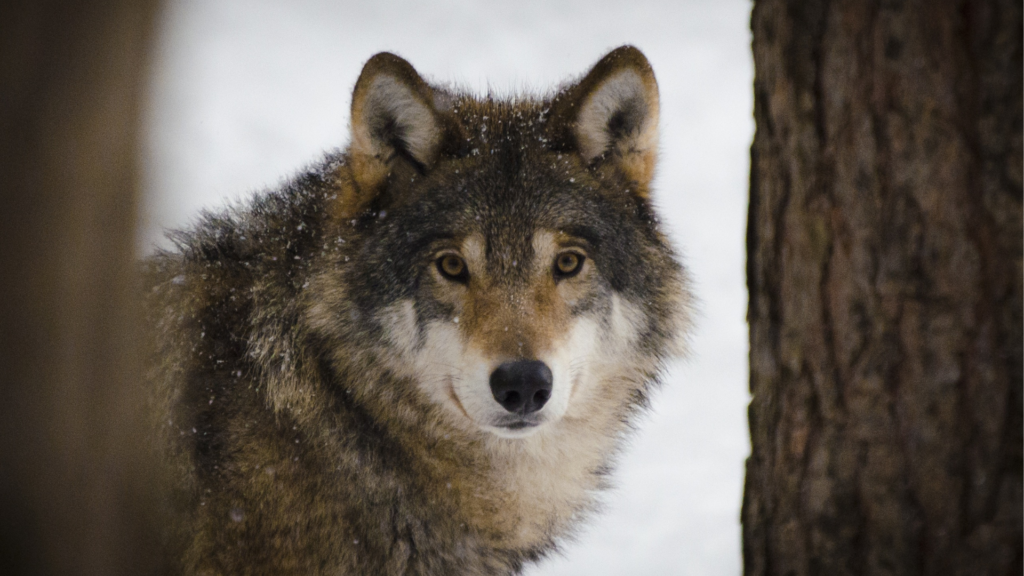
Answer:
(244, 93)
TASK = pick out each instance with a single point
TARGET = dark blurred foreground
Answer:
(76, 489)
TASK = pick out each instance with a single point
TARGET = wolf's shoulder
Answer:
(267, 237)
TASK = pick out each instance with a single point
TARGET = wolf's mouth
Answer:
(510, 422)
(519, 425)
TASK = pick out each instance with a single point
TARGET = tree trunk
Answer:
(885, 277)
(76, 489)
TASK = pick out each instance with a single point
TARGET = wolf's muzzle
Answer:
(522, 386)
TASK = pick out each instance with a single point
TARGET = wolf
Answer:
(422, 354)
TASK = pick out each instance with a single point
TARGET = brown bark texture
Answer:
(885, 276)
(76, 494)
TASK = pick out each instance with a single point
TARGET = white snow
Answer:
(246, 93)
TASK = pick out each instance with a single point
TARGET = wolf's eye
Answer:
(453, 268)
(568, 264)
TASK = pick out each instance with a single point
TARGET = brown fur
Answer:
(320, 380)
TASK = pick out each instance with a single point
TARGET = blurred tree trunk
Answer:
(76, 494)
(884, 246)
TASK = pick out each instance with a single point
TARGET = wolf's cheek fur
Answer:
(435, 356)
(610, 374)
(432, 355)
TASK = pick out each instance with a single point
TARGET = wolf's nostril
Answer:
(522, 386)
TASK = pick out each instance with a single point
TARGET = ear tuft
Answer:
(616, 111)
(393, 118)
(611, 115)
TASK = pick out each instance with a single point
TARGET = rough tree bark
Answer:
(885, 277)
(76, 490)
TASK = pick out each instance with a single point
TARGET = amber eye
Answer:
(568, 264)
(453, 268)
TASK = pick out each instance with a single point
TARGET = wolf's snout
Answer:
(523, 386)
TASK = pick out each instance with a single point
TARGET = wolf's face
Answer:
(509, 255)
(510, 310)
(508, 342)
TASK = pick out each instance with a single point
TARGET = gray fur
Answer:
(298, 441)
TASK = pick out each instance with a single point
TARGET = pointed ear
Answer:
(393, 119)
(611, 115)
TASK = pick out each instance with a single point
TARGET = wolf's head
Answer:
(504, 253)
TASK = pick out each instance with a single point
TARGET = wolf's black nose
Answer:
(523, 386)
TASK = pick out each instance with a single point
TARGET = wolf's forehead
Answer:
(514, 128)
(497, 114)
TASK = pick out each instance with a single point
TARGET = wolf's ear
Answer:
(611, 115)
(393, 119)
